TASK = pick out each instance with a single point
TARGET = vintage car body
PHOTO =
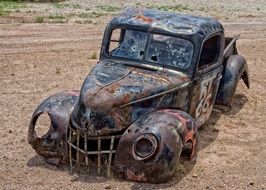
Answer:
(140, 107)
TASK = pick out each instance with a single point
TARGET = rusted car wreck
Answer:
(139, 109)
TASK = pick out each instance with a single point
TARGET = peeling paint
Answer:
(139, 109)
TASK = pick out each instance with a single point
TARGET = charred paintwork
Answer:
(235, 69)
(53, 144)
(172, 129)
(154, 20)
(192, 28)
(114, 95)
(140, 107)
(203, 96)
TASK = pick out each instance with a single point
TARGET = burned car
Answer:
(139, 109)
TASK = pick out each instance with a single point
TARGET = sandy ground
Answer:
(38, 60)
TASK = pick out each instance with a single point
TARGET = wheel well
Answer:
(187, 150)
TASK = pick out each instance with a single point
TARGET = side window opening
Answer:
(115, 40)
(210, 51)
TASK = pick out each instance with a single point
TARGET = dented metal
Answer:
(53, 145)
(115, 93)
(171, 130)
(139, 109)
(235, 69)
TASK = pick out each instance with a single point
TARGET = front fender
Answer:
(235, 68)
(53, 145)
(168, 131)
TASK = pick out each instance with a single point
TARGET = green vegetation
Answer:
(175, 8)
(60, 5)
(88, 14)
(93, 55)
(60, 21)
(78, 22)
(89, 21)
(84, 15)
(56, 16)
(39, 19)
(8, 6)
(108, 8)
(93, 14)
(69, 5)
(76, 6)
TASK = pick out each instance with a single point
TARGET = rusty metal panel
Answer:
(139, 109)
(235, 69)
(53, 145)
(114, 95)
(153, 144)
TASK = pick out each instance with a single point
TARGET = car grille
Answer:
(94, 154)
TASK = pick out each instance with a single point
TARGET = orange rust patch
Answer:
(145, 19)
(131, 176)
(112, 88)
(185, 78)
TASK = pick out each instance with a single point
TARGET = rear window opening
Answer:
(210, 51)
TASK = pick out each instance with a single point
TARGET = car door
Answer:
(207, 78)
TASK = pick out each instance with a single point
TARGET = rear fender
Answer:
(167, 131)
(53, 145)
(236, 68)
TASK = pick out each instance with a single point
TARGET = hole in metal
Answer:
(42, 125)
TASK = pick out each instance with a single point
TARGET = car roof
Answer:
(168, 22)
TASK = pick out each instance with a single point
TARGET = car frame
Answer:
(137, 114)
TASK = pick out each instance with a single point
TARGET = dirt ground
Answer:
(38, 60)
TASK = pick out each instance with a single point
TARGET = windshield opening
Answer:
(161, 49)
(132, 44)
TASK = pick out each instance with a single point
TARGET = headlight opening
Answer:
(145, 147)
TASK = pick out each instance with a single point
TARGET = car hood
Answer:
(110, 90)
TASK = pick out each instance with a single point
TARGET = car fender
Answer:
(53, 145)
(235, 68)
(168, 132)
